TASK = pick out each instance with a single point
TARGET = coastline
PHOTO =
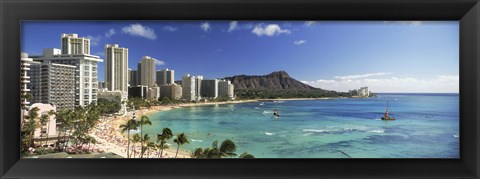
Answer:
(110, 139)
(300, 99)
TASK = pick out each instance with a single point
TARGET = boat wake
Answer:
(343, 130)
(195, 140)
(269, 133)
(377, 131)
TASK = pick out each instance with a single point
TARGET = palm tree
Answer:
(65, 117)
(166, 135)
(161, 146)
(246, 155)
(144, 120)
(180, 140)
(31, 125)
(50, 113)
(198, 153)
(130, 125)
(43, 120)
(136, 138)
(143, 140)
(227, 149)
(150, 145)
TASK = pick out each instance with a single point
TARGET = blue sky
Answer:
(387, 56)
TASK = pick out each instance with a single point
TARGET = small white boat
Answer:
(262, 103)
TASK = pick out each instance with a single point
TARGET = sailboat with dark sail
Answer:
(386, 117)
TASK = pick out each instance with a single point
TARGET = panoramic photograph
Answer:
(239, 89)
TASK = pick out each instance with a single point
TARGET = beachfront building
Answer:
(133, 76)
(171, 91)
(363, 92)
(49, 128)
(116, 72)
(72, 44)
(139, 74)
(165, 77)
(225, 89)
(147, 71)
(116, 68)
(153, 93)
(24, 78)
(86, 77)
(53, 83)
(191, 87)
(209, 88)
(137, 91)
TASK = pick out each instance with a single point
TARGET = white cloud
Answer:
(139, 30)
(299, 42)
(94, 40)
(361, 76)
(269, 30)
(437, 84)
(159, 62)
(233, 25)
(110, 32)
(205, 26)
(309, 23)
(170, 28)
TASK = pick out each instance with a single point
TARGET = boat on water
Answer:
(386, 117)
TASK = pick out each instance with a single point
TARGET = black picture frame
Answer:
(12, 12)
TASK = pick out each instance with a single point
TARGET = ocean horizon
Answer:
(426, 126)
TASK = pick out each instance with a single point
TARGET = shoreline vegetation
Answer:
(106, 136)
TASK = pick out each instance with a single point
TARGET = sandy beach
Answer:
(110, 139)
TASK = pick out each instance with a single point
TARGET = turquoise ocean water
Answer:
(427, 126)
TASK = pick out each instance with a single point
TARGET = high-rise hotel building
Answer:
(171, 91)
(147, 71)
(225, 89)
(24, 77)
(133, 78)
(165, 77)
(72, 44)
(210, 88)
(53, 83)
(191, 87)
(116, 68)
(76, 53)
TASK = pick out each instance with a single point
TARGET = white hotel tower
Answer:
(191, 87)
(116, 68)
(147, 71)
(24, 78)
(77, 53)
(72, 44)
